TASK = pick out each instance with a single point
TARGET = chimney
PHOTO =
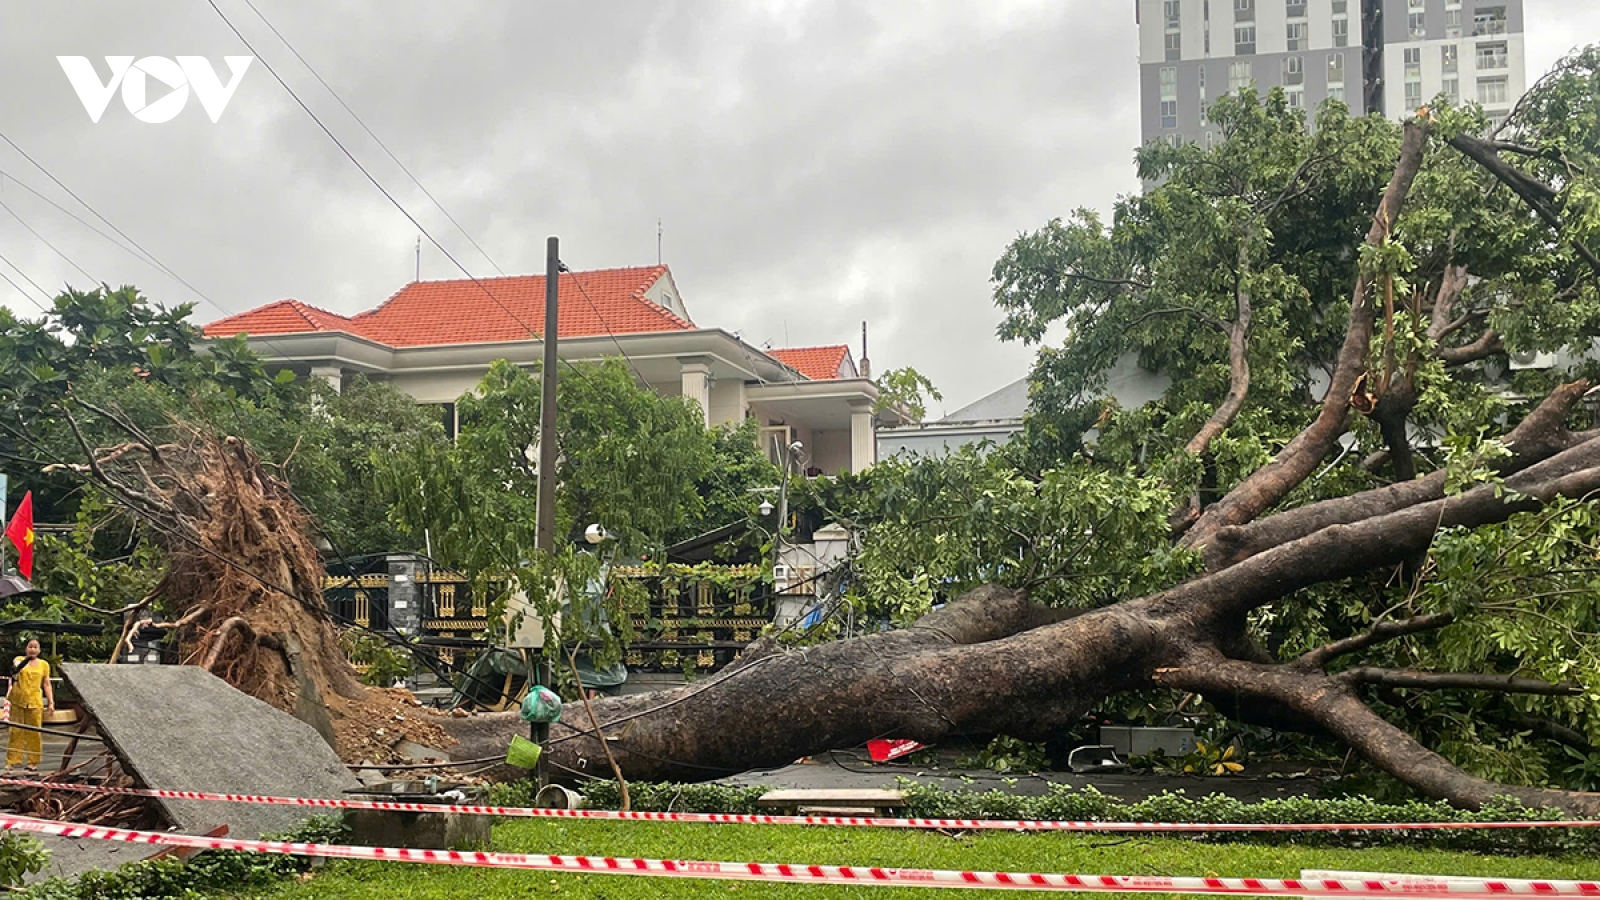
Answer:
(865, 369)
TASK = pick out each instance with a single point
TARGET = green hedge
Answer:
(1062, 802)
(211, 872)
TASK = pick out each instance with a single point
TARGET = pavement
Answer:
(843, 769)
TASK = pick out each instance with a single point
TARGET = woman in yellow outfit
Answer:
(30, 696)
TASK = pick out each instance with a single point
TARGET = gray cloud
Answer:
(814, 163)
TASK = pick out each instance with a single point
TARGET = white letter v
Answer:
(94, 95)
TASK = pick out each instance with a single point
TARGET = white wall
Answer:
(1394, 68)
(830, 450)
(727, 402)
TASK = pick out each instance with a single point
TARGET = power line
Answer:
(363, 169)
(24, 293)
(604, 324)
(42, 292)
(96, 213)
(142, 254)
(378, 184)
(414, 180)
(75, 217)
(20, 221)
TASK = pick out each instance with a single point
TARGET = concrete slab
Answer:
(182, 728)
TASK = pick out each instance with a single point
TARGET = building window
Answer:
(1489, 20)
(1211, 139)
(1335, 68)
(1341, 32)
(1297, 36)
(1244, 40)
(1452, 23)
(1413, 94)
(1450, 58)
(1492, 56)
(1336, 92)
(1294, 70)
(1413, 61)
(1240, 76)
(1169, 97)
(1417, 24)
(1295, 8)
(1172, 9)
(1244, 10)
(1340, 7)
(1493, 91)
(1452, 89)
(1174, 46)
(1296, 97)
(1201, 81)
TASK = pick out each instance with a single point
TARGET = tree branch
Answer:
(1538, 195)
(1269, 484)
(1542, 434)
(1451, 285)
(1238, 362)
(1202, 317)
(1417, 680)
(1335, 707)
(1377, 634)
(1482, 348)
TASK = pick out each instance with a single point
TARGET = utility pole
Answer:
(544, 535)
(783, 502)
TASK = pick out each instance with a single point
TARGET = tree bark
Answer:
(986, 664)
(1542, 434)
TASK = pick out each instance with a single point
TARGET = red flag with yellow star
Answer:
(20, 531)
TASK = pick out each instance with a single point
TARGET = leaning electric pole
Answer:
(544, 536)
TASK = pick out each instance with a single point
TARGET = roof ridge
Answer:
(311, 306)
(844, 347)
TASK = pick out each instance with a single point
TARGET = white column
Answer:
(332, 375)
(696, 378)
(863, 441)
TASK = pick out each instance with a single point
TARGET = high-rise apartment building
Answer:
(1390, 56)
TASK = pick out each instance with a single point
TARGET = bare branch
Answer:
(1238, 362)
(1198, 315)
(1484, 347)
(1377, 634)
(1417, 680)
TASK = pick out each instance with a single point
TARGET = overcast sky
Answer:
(814, 164)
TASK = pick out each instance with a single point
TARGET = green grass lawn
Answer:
(1084, 854)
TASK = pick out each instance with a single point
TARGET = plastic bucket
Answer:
(554, 796)
(523, 753)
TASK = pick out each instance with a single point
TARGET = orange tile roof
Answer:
(488, 310)
(815, 363)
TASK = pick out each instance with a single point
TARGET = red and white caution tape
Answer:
(1472, 888)
(832, 821)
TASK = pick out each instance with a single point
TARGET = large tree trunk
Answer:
(991, 661)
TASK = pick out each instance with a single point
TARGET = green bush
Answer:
(1065, 803)
(21, 855)
(170, 879)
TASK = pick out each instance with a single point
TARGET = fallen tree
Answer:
(994, 660)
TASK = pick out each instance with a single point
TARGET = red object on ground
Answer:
(885, 750)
